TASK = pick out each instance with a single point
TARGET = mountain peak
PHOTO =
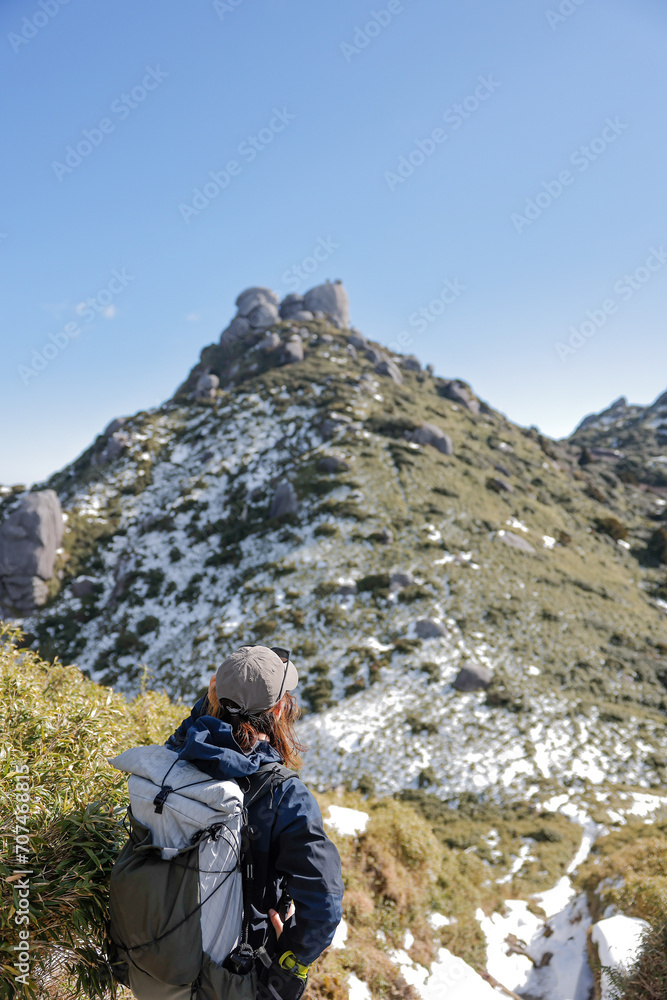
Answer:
(309, 488)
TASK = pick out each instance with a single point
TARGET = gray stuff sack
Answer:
(176, 889)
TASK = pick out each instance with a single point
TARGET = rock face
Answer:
(251, 298)
(461, 393)
(263, 316)
(29, 538)
(429, 628)
(236, 334)
(330, 299)
(291, 306)
(430, 434)
(472, 677)
(293, 351)
(284, 501)
(82, 586)
(270, 343)
(386, 367)
(358, 341)
(258, 308)
(206, 386)
(331, 464)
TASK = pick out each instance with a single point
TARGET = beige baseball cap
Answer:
(255, 678)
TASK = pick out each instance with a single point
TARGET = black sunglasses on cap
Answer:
(284, 655)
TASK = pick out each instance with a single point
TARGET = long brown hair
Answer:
(277, 723)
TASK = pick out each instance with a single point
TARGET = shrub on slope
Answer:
(63, 727)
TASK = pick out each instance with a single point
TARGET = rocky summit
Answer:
(422, 556)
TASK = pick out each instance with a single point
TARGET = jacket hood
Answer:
(210, 746)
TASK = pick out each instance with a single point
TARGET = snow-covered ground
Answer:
(618, 941)
(541, 957)
(473, 748)
(449, 977)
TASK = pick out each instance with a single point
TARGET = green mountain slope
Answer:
(396, 569)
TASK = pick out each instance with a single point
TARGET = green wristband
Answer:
(290, 963)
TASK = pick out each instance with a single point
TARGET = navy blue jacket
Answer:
(289, 842)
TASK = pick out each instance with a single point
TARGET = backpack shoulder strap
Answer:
(255, 786)
(265, 779)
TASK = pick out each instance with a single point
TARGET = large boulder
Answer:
(284, 501)
(357, 340)
(388, 368)
(429, 628)
(331, 464)
(263, 315)
(330, 299)
(430, 434)
(373, 355)
(206, 386)
(29, 538)
(461, 393)
(472, 677)
(411, 363)
(290, 305)
(236, 334)
(83, 586)
(256, 296)
(270, 343)
(293, 351)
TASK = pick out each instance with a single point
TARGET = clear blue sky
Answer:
(360, 102)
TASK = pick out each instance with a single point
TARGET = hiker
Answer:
(242, 729)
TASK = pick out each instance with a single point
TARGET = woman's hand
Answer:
(277, 922)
